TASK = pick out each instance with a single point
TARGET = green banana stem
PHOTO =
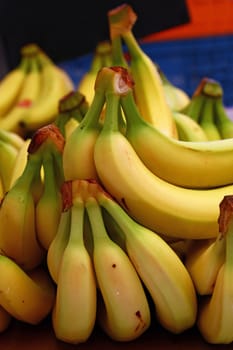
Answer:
(117, 53)
(77, 223)
(131, 112)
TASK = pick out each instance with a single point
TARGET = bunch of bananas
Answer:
(29, 94)
(112, 214)
(207, 109)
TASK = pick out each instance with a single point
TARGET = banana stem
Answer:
(77, 223)
(96, 220)
(111, 122)
(131, 111)
(93, 114)
(30, 172)
(226, 226)
(117, 53)
(134, 49)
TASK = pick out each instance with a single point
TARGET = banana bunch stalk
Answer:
(215, 320)
(148, 90)
(206, 107)
(102, 57)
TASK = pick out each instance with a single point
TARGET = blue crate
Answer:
(185, 62)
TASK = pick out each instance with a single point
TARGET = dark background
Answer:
(67, 29)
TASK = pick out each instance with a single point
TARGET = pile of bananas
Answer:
(29, 94)
(111, 214)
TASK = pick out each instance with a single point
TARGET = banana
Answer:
(170, 210)
(11, 85)
(8, 158)
(80, 164)
(27, 97)
(209, 163)
(28, 297)
(123, 312)
(53, 88)
(215, 319)
(20, 162)
(176, 97)
(159, 267)
(102, 57)
(49, 207)
(11, 137)
(207, 121)
(188, 129)
(18, 238)
(148, 89)
(223, 122)
(74, 311)
(5, 319)
(203, 261)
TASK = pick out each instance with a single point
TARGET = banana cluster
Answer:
(29, 94)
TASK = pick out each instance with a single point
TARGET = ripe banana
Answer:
(27, 97)
(28, 297)
(187, 164)
(188, 129)
(80, 164)
(215, 319)
(53, 88)
(18, 238)
(123, 310)
(203, 261)
(11, 137)
(74, 312)
(159, 267)
(102, 57)
(20, 162)
(170, 210)
(11, 85)
(176, 97)
(8, 158)
(148, 89)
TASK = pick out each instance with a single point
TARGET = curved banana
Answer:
(188, 164)
(8, 158)
(20, 162)
(124, 312)
(222, 120)
(176, 97)
(148, 89)
(101, 58)
(203, 261)
(74, 311)
(215, 319)
(11, 85)
(188, 129)
(80, 164)
(18, 238)
(27, 97)
(165, 208)
(207, 119)
(28, 297)
(161, 270)
(53, 88)
(49, 206)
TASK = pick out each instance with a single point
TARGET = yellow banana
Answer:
(188, 129)
(176, 97)
(28, 95)
(203, 261)
(11, 85)
(124, 312)
(170, 210)
(20, 162)
(18, 238)
(53, 88)
(74, 312)
(148, 90)
(188, 164)
(80, 164)
(215, 319)
(101, 58)
(28, 297)
(11, 137)
(161, 270)
(8, 158)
